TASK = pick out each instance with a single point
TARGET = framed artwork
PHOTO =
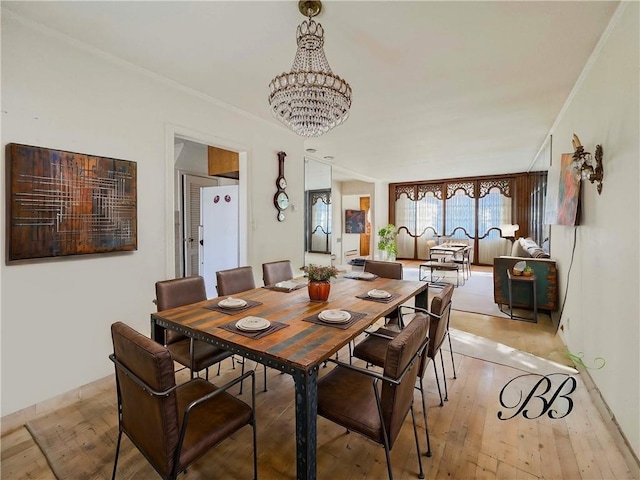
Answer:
(354, 221)
(568, 192)
(63, 203)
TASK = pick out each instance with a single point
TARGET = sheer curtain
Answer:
(494, 210)
(418, 217)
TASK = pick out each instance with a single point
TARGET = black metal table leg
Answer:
(306, 387)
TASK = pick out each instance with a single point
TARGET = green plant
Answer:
(528, 269)
(319, 273)
(387, 241)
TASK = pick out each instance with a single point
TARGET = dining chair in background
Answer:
(373, 404)
(438, 331)
(464, 259)
(193, 354)
(237, 280)
(392, 270)
(171, 425)
(274, 272)
(373, 349)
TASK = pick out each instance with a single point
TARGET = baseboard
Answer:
(609, 420)
(15, 420)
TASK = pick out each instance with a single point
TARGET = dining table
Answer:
(297, 341)
(446, 250)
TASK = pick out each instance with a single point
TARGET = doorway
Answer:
(188, 173)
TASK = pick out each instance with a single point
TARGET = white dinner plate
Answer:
(334, 316)
(367, 275)
(252, 324)
(232, 303)
(378, 294)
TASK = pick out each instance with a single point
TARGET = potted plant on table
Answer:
(319, 281)
(528, 271)
(387, 243)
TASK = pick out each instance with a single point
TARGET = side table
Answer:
(531, 279)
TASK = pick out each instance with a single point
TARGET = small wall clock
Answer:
(281, 199)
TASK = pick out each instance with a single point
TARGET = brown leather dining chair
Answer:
(373, 349)
(171, 425)
(391, 270)
(274, 272)
(373, 404)
(236, 280)
(193, 354)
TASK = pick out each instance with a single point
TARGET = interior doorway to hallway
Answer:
(198, 168)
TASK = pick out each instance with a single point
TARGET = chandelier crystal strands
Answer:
(310, 99)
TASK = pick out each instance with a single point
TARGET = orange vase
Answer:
(319, 291)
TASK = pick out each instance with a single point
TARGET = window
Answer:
(470, 210)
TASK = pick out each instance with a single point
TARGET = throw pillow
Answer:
(518, 250)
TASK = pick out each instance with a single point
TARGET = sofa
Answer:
(544, 268)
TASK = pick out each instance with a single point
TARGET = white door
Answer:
(191, 186)
(219, 220)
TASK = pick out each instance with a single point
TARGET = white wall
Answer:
(600, 317)
(58, 94)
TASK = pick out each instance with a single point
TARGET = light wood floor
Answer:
(467, 439)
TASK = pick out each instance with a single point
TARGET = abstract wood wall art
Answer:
(62, 203)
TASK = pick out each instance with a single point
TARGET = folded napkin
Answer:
(285, 286)
(356, 276)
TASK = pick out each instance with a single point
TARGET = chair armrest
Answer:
(418, 309)
(379, 335)
(224, 388)
(378, 376)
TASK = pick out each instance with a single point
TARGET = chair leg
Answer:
(424, 414)
(253, 424)
(265, 378)
(444, 378)
(435, 369)
(242, 373)
(386, 452)
(415, 434)
(115, 462)
(451, 352)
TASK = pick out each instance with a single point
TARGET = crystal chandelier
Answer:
(310, 99)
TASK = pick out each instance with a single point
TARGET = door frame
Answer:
(171, 196)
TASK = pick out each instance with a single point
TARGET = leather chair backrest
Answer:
(151, 422)
(441, 306)
(274, 272)
(397, 399)
(176, 293)
(384, 269)
(235, 280)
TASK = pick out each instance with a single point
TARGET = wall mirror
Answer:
(317, 177)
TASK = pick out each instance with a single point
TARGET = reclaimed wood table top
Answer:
(302, 344)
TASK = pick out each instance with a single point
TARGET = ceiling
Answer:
(440, 89)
